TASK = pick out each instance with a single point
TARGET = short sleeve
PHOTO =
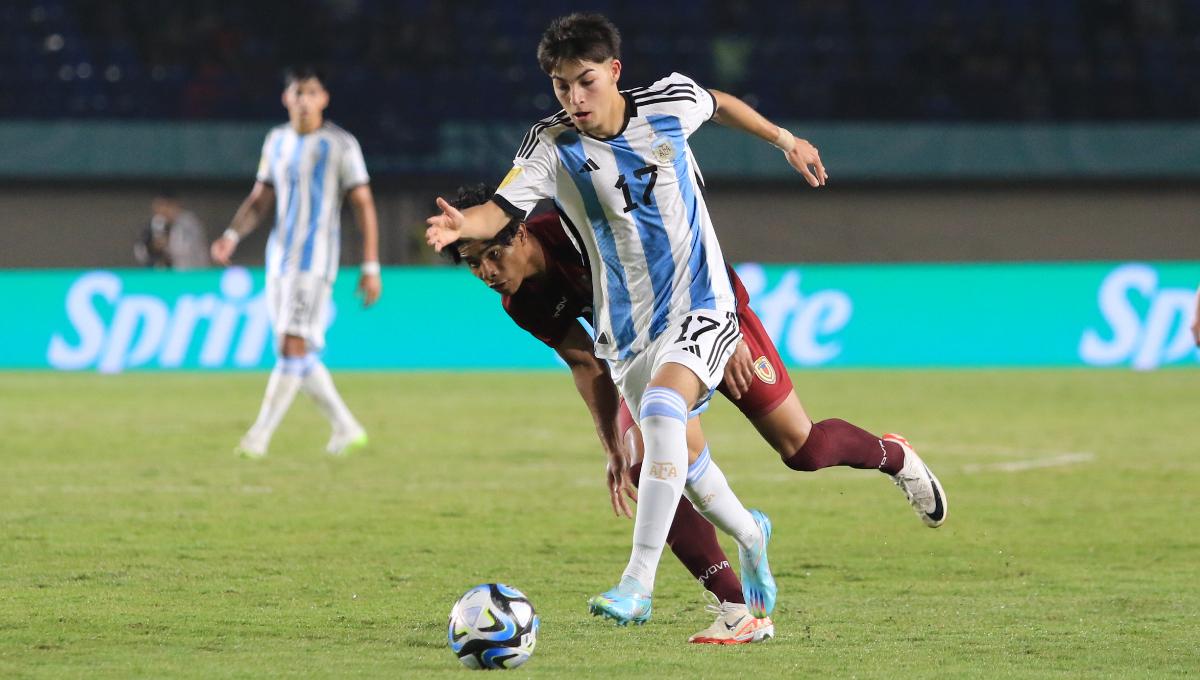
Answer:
(533, 176)
(679, 96)
(264, 161)
(353, 169)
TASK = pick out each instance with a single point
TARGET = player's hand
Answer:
(620, 484)
(443, 229)
(739, 371)
(805, 158)
(222, 249)
(369, 288)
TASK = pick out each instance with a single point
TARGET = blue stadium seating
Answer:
(398, 67)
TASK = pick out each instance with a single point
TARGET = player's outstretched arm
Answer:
(595, 385)
(245, 220)
(801, 155)
(369, 283)
(477, 222)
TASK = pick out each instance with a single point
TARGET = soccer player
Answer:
(1196, 320)
(307, 167)
(545, 286)
(618, 165)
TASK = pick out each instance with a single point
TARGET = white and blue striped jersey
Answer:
(310, 174)
(635, 204)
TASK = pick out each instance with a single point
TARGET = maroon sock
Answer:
(694, 541)
(836, 442)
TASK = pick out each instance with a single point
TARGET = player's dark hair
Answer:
(471, 196)
(301, 72)
(582, 36)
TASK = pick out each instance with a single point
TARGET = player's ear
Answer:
(522, 232)
(616, 69)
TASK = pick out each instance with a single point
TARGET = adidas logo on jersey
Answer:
(603, 339)
(589, 166)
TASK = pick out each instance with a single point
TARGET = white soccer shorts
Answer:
(299, 305)
(701, 340)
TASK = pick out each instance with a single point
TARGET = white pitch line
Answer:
(1033, 464)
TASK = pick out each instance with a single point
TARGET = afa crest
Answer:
(663, 471)
(664, 151)
(765, 371)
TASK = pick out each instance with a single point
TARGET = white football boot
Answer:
(345, 442)
(252, 445)
(918, 483)
(734, 625)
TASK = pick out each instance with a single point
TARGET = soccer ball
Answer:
(492, 626)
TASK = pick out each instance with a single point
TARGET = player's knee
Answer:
(665, 402)
(809, 450)
(790, 439)
(801, 461)
(632, 438)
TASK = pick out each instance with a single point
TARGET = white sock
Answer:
(318, 384)
(281, 389)
(710, 494)
(664, 431)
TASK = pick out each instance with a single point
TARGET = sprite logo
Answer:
(1147, 323)
(113, 330)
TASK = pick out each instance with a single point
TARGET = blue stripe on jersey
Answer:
(316, 192)
(570, 151)
(655, 244)
(293, 205)
(701, 290)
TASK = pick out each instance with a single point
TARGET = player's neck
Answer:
(303, 128)
(536, 267)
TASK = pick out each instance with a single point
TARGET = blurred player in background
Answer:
(174, 238)
(1196, 320)
(307, 166)
(546, 287)
(618, 165)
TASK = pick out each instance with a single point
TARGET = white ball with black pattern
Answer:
(492, 626)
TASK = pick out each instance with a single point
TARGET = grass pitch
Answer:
(133, 544)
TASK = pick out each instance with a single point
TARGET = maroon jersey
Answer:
(548, 305)
(739, 291)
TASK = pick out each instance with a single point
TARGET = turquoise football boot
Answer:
(758, 585)
(624, 604)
